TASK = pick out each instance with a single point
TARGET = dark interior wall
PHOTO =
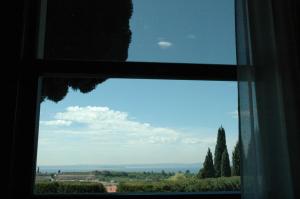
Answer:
(20, 93)
(11, 52)
(65, 39)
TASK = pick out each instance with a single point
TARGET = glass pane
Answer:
(137, 136)
(175, 31)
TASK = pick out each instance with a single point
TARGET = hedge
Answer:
(183, 185)
(68, 187)
(188, 185)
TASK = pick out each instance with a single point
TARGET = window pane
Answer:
(176, 31)
(137, 136)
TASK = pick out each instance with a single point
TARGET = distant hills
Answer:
(167, 167)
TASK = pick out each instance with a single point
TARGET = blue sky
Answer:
(127, 121)
(189, 31)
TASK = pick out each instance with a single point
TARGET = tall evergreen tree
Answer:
(225, 165)
(236, 160)
(208, 170)
(220, 148)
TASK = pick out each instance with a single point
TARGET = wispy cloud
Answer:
(165, 44)
(192, 140)
(56, 123)
(234, 114)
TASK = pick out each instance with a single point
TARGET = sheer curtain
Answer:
(266, 163)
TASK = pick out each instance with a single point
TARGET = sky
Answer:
(126, 121)
(188, 31)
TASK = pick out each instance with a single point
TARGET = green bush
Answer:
(216, 184)
(186, 185)
(68, 187)
(44, 187)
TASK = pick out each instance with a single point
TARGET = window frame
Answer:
(31, 69)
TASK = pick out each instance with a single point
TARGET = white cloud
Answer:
(234, 114)
(244, 114)
(101, 121)
(193, 140)
(100, 134)
(164, 44)
(105, 124)
(56, 123)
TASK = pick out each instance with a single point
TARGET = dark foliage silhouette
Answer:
(84, 30)
(236, 160)
(220, 148)
(208, 170)
(225, 165)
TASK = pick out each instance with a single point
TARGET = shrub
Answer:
(68, 187)
(186, 185)
(44, 187)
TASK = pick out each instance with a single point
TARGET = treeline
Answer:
(68, 187)
(183, 185)
(133, 174)
(124, 176)
(220, 166)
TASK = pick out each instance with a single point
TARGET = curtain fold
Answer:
(265, 152)
(248, 120)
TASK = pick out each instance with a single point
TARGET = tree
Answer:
(236, 160)
(225, 165)
(84, 30)
(208, 170)
(220, 148)
(187, 172)
(178, 177)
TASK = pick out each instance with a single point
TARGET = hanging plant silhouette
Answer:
(84, 30)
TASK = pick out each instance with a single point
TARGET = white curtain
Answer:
(265, 151)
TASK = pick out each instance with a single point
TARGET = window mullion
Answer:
(144, 70)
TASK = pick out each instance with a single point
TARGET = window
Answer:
(54, 61)
(139, 30)
(139, 136)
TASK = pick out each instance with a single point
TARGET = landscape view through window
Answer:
(136, 135)
(140, 136)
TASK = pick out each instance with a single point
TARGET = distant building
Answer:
(111, 188)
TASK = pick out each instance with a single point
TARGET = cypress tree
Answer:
(236, 160)
(225, 166)
(208, 170)
(220, 148)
